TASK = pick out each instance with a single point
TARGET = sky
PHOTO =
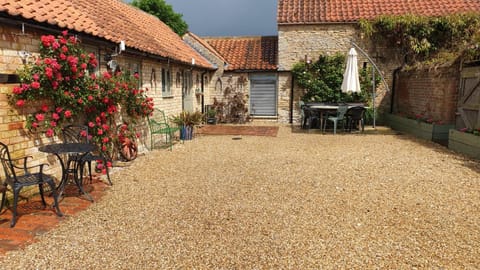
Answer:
(228, 17)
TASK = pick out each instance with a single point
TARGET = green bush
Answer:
(322, 80)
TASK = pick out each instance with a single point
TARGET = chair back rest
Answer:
(356, 113)
(75, 134)
(159, 116)
(341, 111)
(7, 163)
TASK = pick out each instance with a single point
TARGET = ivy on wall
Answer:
(427, 39)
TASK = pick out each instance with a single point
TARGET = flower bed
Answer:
(465, 143)
(428, 131)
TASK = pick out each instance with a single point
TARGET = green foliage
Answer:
(322, 80)
(165, 13)
(421, 38)
(187, 118)
(62, 79)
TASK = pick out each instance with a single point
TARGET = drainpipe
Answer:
(203, 90)
(291, 100)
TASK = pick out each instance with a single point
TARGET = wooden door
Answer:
(468, 112)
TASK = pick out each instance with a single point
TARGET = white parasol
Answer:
(351, 82)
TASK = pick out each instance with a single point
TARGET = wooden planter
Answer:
(465, 143)
(422, 130)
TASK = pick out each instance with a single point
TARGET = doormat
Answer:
(269, 131)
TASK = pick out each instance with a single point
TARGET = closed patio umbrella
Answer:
(351, 81)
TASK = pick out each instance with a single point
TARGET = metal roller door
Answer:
(263, 95)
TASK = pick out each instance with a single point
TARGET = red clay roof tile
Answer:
(247, 53)
(112, 20)
(332, 11)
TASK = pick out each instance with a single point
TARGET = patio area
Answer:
(299, 200)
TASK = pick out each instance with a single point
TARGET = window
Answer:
(153, 80)
(166, 80)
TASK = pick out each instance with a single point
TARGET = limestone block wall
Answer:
(300, 42)
(12, 120)
(212, 79)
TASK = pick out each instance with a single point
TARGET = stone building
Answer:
(119, 34)
(244, 64)
(308, 28)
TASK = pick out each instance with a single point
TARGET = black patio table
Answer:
(75, 152)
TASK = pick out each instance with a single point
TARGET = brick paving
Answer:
(239, 130)
(33, 220)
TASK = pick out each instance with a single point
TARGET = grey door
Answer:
(263, 95)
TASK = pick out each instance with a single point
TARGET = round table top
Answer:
(67, 148)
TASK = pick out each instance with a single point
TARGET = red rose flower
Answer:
(49, 132)
(67, 114)
(44, 108)
(40, 117)
(20, 102)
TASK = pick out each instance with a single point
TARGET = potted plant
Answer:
(211, 117)
(186, 121)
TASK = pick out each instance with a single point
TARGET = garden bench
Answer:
(159, 125)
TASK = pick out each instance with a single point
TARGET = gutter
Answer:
(53, 28)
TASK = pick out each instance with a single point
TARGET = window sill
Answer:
(168, 96)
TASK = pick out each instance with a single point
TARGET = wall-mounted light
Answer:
(119, 49)
(122, 46)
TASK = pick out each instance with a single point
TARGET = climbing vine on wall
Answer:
(427, 38)
(323, 78)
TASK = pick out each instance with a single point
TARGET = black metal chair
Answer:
(355, 117)
(79, 134)
(310, 118)
(26, 178)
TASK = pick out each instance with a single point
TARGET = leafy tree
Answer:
(165, 13)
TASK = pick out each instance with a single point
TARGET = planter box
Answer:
(426, 131)
(186, 133)
(465, 143)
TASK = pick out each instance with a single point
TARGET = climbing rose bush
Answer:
(63, 78)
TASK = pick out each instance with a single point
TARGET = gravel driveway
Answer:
(295, 201)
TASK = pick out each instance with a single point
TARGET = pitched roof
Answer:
(247, 53)
(333, 11)
(111, 20)
(206, 45)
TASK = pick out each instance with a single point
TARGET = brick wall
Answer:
(432, 93)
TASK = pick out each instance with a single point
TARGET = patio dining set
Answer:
(74, 153)
(351, 116)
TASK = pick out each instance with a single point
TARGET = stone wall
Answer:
(12, 121)
(432, 93)
(297, 43)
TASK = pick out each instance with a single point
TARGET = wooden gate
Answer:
(468, 112)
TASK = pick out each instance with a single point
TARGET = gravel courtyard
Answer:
(295, 201)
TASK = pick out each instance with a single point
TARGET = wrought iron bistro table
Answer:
(74, 152)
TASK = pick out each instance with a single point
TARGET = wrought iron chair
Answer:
(79, 134)
(355, 117)
(159, 125)
(26, 178)
(339, 118)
